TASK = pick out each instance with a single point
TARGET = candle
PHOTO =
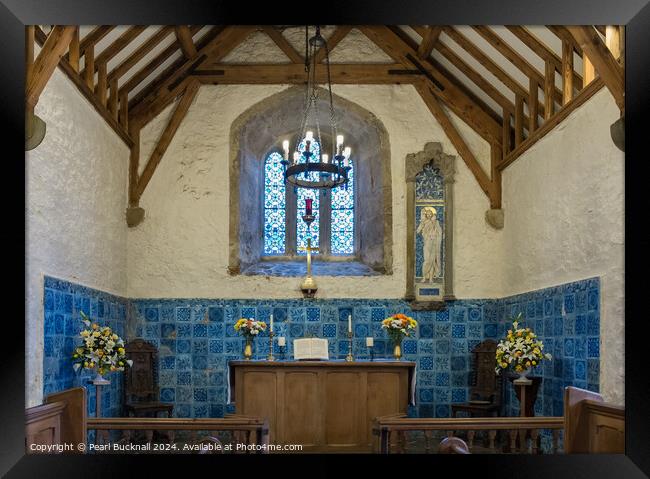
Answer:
(285, 146)
(349, 323)
(339, 140)
(370, 342)
(325, 157)
(308, 202)
(281, 341)
(296, 156)
(309, 136)
(271, 323)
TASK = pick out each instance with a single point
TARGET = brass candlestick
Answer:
(270, 356)
(349, 357)
(308, 286)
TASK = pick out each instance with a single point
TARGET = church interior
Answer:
(325, 238)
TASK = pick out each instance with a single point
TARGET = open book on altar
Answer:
(310, 348)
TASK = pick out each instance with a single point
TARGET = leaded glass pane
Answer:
(342, 236)
(274, 206)
(301, 195)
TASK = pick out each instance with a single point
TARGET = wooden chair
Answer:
(487, 390)
(141, 382)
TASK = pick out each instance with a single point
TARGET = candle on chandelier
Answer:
(339, 144)
(296, 156)
(309, 137)
(285, 146)
(349, 323)
(325, 157)
(346, 156)
(308, 202)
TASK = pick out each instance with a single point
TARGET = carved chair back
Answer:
(486, 383)
(141, 379)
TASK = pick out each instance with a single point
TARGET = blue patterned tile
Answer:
(458, 331)
(442, 410)
(426, 331)
(593, 300)
(377, 315)
(442, 315)
(490, 330)
(329, 330)
(458, 395)
(593, 348)
(426, 363)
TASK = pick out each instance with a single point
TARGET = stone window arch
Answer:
(258, 133)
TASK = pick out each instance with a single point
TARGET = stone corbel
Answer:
(494, 217)
(134, 216)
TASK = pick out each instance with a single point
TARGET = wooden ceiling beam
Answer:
(48, 58)
(184, 37)
(429, 39)
(283, 44)
(170, 85)
(563, 34)
(542, 50)
(334, 39)
(454, 97)
(426, 91)
(229, 74)
(166, 137)
(604, 62)
(150, 67)
(513, 57)
(489, 65)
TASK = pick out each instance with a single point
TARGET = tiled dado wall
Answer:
(196, 340)
(62, 303)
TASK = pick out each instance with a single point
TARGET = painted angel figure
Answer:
(431, 232)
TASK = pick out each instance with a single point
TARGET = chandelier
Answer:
(317, 170)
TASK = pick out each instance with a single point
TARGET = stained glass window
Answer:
(341, 238)
(342, 233)
(301, 195)
(274, 206)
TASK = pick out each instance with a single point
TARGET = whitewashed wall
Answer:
(564, 221)
(181, 248)
(75, 202)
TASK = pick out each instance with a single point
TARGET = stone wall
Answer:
(76, 184)
(564, 221)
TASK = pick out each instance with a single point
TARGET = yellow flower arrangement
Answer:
(520, 350)
(249, 327)
(101, 348)
(398, 326)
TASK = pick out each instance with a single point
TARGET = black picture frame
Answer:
(635, 14)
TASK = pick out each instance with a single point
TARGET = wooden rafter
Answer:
(170, 86)
(283, 44)
(114, 48)
(563, 34)
(130, 61)
(429, 38)
(184, 37)
(151, 66)
(604, 62)
(48, 58)
(513, 57)
(456, 99)
(229, 74)
(94, 37)
(542, 50)
(166, 137)
(429, 98)
(486, 62)
(336, 37)
(87, 92)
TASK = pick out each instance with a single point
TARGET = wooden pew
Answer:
(591, 425)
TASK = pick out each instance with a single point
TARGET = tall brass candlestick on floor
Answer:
(270, 356)
(308, 286)
(349, 357)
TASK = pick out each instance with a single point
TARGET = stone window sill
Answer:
(297, 268)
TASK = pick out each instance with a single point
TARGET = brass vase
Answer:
(397, 351)
(248, 349)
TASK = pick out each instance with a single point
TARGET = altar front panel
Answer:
(326, 406)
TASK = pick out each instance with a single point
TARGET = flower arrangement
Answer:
(398, 326)
(101, 349)
(250, 327)
(520, 350)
